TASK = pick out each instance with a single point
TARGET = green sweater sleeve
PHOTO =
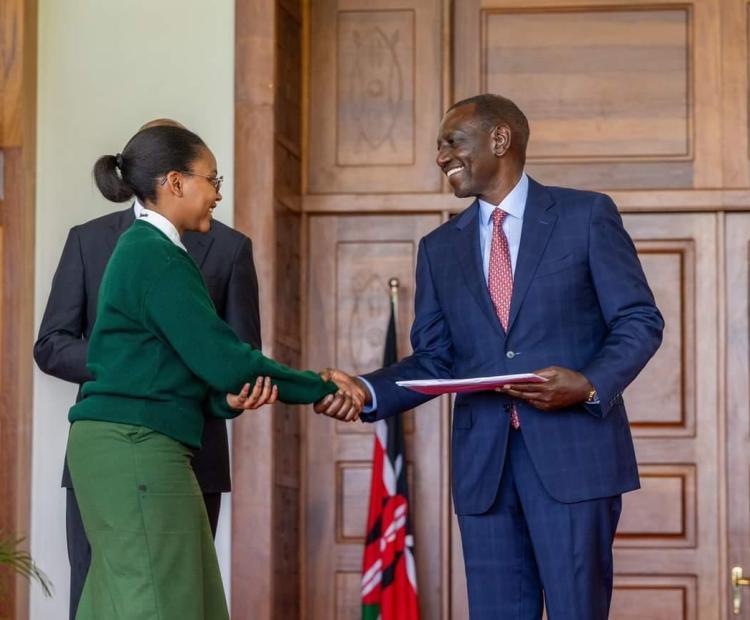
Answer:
(177, 307)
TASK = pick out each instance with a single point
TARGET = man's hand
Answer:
(263, 394)
(347, 403)
(564, 387)
(347, 383)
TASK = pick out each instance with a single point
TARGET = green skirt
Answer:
(152, 554)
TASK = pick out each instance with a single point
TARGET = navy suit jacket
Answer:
(580, 300)
(225, 258)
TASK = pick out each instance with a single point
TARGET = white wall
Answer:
(105, 68)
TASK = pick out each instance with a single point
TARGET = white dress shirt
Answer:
(158, 221)
(514, 204)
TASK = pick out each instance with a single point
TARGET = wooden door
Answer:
(351, 260)
(667, 551)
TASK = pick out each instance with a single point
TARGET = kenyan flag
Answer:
(389, 576)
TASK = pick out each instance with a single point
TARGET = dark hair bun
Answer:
(147, 157)
(110, 183)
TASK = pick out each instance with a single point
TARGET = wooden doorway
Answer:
(623, 97)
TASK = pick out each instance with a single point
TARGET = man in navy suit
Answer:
(225, 257)
(528, 279)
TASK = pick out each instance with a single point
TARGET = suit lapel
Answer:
(198, 244)
(538, 221)
(469, 256)
(119, 225)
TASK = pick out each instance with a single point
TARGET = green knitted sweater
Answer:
(158, 349)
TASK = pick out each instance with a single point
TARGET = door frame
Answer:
(18, 54)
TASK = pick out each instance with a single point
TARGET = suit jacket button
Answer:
(510, 355)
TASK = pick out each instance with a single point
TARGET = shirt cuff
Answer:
(373, 397)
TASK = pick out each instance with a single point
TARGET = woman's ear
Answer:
(174, 183)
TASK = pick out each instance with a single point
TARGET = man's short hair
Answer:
(494, 110)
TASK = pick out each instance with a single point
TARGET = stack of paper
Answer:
(475, 384)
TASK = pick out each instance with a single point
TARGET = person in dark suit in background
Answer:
(225, 257)
(527, 279)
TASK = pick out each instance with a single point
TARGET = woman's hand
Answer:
(263, 394)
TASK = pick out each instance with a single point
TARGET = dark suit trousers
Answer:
(529, 546)
(79, 551)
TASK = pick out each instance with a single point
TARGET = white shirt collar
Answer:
(159, 221)
(513, 204)
(138, 208)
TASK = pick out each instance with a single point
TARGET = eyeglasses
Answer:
(213, 180)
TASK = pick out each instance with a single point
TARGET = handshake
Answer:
(345, 405)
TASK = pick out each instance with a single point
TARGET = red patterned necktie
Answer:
(500, 281)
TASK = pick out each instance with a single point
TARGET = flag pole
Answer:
(393, 283)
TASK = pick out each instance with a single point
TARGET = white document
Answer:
(474, 384)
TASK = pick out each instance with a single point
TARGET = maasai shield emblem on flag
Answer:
(389, 575)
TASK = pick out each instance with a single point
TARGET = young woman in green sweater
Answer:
(158, 351)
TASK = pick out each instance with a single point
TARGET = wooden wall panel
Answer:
(360, 301)
(353, 481)
(737, 262)
(620, 95)
(16, 331)
(353, 489)
(286, 335)
(735, 23)
(3, 285)
(663, 512)
(661, 400)
(622, 91)
(348, 599)
(18, 40)
(666, 598)
(11, 69)
(375, 96)
(289, 82)
(626, 86)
